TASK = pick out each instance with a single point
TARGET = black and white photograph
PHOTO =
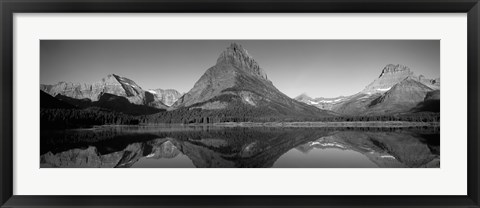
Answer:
(316, 103)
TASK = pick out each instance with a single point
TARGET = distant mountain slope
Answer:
(431, 103)
(356, 104)
(380, 97)
(112, 84)
(121, 104)
(79, 103)
(304, 98)
(391, 75)
(236, 81)
(321, 102)
(432, 83)
(167, 96)
(400, 98)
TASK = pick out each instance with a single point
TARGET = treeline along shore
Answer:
(334, 124)
(84, 118)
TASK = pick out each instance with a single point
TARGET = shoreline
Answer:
(352, 124)
(382, 124)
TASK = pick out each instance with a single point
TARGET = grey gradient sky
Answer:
(320, 68)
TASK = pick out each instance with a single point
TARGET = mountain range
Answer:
(236, 86)
(112, 92)
(396, 90)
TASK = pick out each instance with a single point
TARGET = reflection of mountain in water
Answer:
(233, 147)
(385, 149)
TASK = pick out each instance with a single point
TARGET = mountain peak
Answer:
(236, 53)
(238, 84)
(303, 96)
(391, 75)
(237, 56)
(393, 69)
(237, 47)
(409, 81)
(110, 76)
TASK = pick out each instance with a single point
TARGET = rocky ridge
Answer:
(400, 98)
(111, 84)
(321, 102)
(166, 96)
(393, 74)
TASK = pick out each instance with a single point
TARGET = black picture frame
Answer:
(9, 7)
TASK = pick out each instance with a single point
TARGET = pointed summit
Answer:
(235, 84)
(232, 52)
(410, 84)
(237, 56)
(393, 69)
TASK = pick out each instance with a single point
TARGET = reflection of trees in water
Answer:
(105, 141)
(239, 147)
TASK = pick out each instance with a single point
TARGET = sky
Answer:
(319, 68)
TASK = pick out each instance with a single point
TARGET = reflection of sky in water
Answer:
(325, 158)
(180, 161)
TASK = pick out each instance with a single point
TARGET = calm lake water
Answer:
(240, 147)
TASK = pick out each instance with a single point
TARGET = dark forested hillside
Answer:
(431, 103)
(47, 101)
(57, 114)
(82, 118)
(112, 102)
